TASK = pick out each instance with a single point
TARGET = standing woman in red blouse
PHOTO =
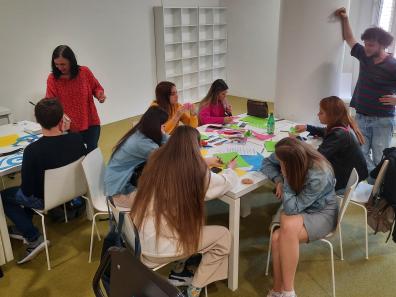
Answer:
(75, 87)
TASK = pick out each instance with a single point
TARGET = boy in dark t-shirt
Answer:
(53, 150)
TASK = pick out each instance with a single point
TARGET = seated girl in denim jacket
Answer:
(305, 183)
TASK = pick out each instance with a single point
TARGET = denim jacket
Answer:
(318, 188)
(134, 151)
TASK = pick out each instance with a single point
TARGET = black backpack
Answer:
(116, 239)
(388, 187)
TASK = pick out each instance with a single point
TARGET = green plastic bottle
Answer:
(271, 124)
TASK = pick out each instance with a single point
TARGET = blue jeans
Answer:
(377, 132)
(91, 137)
(13, 199)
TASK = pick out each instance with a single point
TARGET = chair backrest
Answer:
(93, 166)
(351, 186)
(380, 178)
(64, 184)
(129, 229)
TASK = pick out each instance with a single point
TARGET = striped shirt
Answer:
(375, 81)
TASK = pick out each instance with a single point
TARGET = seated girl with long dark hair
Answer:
(132, 151)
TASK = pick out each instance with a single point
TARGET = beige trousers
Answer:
(214, 246)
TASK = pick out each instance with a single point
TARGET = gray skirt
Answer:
(318, 224)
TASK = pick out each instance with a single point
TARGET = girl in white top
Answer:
(168, 209)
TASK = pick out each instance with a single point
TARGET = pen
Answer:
(32, 103)
(233, 159)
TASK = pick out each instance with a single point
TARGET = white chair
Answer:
(363, 193)
(352, 182)
(5, 113)
(129, 231)
(93, 167)
(60, 186)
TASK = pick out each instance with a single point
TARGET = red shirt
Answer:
(76, 96)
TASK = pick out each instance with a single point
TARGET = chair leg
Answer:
(365, 224)
(269, 247)
(206, 291)
(341, 248)
(45, 240)
(332, 264)
(91, 245)
(64, 209)
(96, 227)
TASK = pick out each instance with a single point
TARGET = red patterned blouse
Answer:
(76, 96)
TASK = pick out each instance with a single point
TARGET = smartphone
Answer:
(216, 169)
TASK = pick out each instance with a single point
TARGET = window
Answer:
(387, 19)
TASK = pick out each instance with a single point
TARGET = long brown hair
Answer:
(173, 186)
(338, 115)
(162, 95)
(149, 125)
(216, 88)
(297, 158)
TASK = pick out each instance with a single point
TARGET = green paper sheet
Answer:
(227, 157)
(204, 137)
(255, 121)
(270, 146)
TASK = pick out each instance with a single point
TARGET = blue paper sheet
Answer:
(255, 161)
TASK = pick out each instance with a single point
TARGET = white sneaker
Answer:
(273, 293)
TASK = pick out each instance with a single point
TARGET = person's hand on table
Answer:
(228, 120)
(232, 164)
(300, 128)
(214, 162)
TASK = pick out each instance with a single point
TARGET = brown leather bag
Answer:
(257, 108)
(380, 215)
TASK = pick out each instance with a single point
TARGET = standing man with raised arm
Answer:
(376, 82)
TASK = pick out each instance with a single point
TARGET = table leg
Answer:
(6, 251)
(233, 260)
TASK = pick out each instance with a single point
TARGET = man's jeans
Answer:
(377, 132)
(13, 199)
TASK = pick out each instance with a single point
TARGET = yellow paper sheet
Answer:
(204, 152)
(8, 140)
(240, 172)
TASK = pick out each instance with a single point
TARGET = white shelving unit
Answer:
(191, 48)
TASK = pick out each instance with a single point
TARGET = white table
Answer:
(6, 254)
(233, 197)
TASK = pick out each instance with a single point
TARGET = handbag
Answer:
(380, 215)
(130, 277)
(257, 108)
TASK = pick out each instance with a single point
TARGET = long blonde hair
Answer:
(173, 186)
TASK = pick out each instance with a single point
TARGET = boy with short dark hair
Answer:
(53, 150)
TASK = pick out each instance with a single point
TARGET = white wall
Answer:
(310, 56)
(253, 29)
(360, 18)
(114, 38)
